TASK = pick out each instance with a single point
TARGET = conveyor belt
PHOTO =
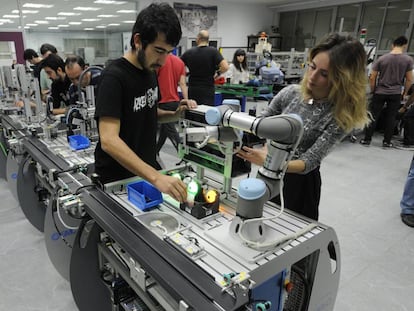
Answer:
(180, 276)
(40, 153)
(9, 122)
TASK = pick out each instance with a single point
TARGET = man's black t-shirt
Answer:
(202, 62)
(59, 92)
(130, 95)
(36, 70)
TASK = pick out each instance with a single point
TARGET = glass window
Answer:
(373, 15)
(304, 37)
(322, 25)
(287, 28)
(396, 22)
(348, 15)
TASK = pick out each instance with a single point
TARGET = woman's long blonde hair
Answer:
(347, 79)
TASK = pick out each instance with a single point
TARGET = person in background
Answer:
(45, 83)
(203, 63)
(407, 200)
(34, 60)
(331, 100)
(55, 70)
(238, 72)
(46, 49)
(170, 75)
(406, 115)
(126, 105)
(74, 66)
(390, 73)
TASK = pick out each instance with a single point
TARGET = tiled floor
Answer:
(361, 190)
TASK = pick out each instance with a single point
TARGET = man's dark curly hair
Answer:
(155, 19)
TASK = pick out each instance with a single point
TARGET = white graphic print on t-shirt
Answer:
(149, 99)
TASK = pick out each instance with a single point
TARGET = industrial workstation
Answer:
(97, 214)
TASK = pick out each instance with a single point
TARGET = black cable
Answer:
(77, 191)
(71, 169)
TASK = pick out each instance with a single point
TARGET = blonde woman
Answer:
(331, 101)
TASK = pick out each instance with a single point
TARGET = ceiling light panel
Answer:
(76, 14)
(25, 11)
(82, 8)
(55, 18)
(38, 5)
(69, 14)
(126, 11)
(91, 19)
(109, 2)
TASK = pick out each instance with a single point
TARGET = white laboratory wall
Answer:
(235, 21)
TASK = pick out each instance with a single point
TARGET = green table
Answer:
(243, 91)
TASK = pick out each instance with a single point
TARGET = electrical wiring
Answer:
(68, 114)
(54, 198)
(203, 143)
(77, 191)
(60, 216)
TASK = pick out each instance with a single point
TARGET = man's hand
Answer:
(172, 186)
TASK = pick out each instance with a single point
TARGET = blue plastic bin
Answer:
(78, 142)
(144, 195)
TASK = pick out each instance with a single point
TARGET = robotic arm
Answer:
(284, 133)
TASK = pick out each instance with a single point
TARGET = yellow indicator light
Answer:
(211, 196)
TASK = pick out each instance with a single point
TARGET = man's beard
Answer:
(143, 61)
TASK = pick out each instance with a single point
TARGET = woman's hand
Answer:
(254, 155)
